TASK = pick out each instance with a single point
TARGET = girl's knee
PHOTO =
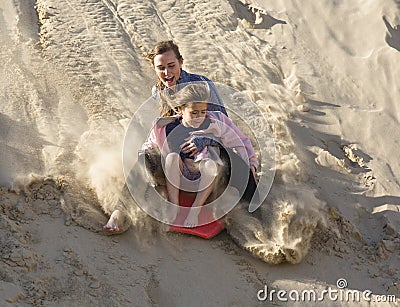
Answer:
(209, 167)
(171, 157)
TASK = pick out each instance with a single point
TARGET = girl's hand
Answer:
(254, 171)
(189, 147)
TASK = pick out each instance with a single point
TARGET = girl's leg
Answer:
(208, 169)
(173, 170)
(172, 174)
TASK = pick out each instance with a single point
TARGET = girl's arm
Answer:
(233, 137)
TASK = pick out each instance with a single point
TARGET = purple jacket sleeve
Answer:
(233, 137)
(202, 141)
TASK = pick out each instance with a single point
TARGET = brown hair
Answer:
(161, 48)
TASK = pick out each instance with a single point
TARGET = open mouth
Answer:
(169, 79)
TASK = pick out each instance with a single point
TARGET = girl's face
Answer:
(167, 67)
(193, 114)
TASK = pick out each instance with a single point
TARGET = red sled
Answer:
(205, 231)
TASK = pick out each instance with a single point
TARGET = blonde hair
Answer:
(190, 92)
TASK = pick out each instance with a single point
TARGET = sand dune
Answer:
(323, 74)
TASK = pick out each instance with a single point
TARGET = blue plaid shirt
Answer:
(216, 103)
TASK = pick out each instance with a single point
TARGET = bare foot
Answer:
(192, 220)
(112, 224)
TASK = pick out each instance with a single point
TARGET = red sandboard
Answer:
(206, 231)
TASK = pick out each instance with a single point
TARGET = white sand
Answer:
(325, 75)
